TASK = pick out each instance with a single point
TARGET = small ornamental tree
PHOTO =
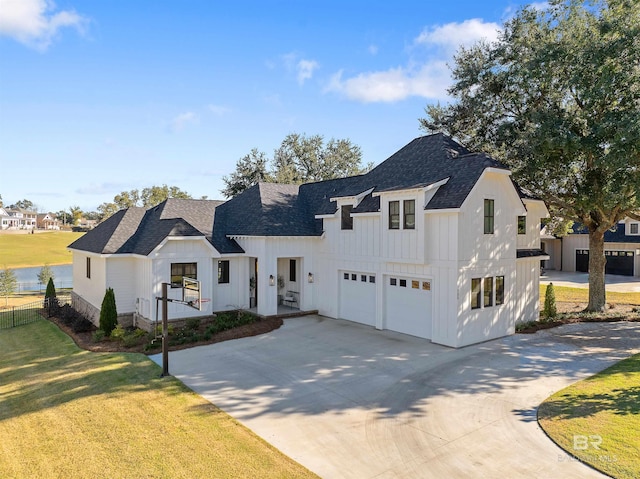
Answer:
(108, 313)
(45, 275)
(50, 293)
(8, 283)
(550, 310)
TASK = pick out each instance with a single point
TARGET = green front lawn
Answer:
(66, 412)
(598, 420)
(565, 294)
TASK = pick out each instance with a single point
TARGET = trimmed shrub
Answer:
(98, 336)
(550, 309)
(82, 325)
(108, 312)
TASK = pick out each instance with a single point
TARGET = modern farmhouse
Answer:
(435, 242)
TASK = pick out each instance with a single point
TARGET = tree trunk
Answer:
(597, 260)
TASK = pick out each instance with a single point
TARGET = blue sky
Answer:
(99, 97)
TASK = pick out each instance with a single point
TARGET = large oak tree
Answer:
(299, 159)
(557, 98)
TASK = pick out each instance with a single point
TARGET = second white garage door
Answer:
(358, 297)
(408, 305)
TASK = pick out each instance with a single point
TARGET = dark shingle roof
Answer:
(615, 236)
(269, 209)
(138, 231)
(530, 253)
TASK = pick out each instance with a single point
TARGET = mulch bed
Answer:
(85, 340)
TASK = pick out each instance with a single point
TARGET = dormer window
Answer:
(633, 229)
(347, 219)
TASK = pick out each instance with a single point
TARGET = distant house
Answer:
(436, 242)
(571, 253)
(17, 219)
(48, 221)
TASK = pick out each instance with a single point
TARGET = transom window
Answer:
(409, 222)
(488, 216)
(180, 270)
(347, 220)
(394, 215)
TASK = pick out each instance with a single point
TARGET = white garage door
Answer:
(358, 297)
(408, 305)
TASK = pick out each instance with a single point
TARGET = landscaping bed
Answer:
(182, 338)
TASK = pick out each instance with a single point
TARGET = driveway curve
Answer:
(348, 401)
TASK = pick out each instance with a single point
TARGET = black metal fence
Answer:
(29, 313)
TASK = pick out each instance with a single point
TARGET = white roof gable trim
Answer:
(355, 199)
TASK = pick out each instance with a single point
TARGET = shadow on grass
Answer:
(40, 368)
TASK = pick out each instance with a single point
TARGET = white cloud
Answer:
(429, 81)
(428, 78)
(451, 36)
(218, 110)
(35, 23)
(182, 120)
(305, 70)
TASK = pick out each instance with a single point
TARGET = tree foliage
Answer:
(146, 198)
(550, 310)
(299, 159)
(108, 312)
(8, 283)
(24, 204)
(50, 292)
(45, 274)
(557, 98)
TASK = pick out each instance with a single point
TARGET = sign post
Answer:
(165, 331)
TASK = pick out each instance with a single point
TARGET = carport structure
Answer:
(348, 401)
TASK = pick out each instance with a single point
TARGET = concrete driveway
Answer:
(348, 401)
(617, 283)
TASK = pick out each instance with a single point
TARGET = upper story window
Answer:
(522, 225)
(633, 229)
(488, 216)
(88, 267)
(223, 271)
(347, 220)
(394, 215)
(409, 222)
(181, 270)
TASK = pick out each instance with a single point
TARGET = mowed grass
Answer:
(24, 250)
(65, 412)
(598, 420)
(565, 294)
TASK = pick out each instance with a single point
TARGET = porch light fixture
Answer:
(310, 277)
(272, 280)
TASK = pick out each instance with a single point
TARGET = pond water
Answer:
(28, 278)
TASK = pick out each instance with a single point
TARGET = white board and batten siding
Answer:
(183, 250)
(93, 288)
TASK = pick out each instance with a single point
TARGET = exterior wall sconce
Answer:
(272, 280)
(310, 277)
